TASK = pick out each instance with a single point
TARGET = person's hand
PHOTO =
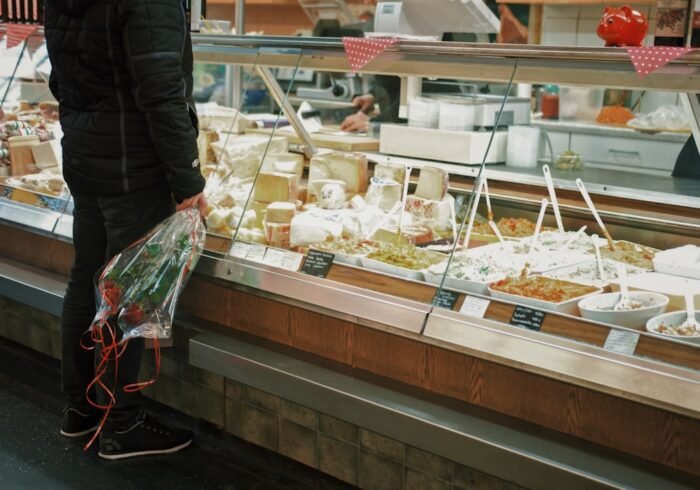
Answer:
(364, 102)
(197, 202)
(358, 123)
(512, 30)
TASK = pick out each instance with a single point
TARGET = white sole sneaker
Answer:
(113, 457)
(73, 435)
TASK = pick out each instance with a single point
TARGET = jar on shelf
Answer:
(549, 102)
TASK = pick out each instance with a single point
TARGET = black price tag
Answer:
(445, 299)
(317, 263)
(527, 318)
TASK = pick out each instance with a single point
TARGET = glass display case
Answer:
(501, 217)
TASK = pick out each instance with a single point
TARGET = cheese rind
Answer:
(280, 212)
(351, 168)
(276, 187)
(433, 183)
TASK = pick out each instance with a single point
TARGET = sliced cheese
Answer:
(432, 184)
(277, 234)
(275, 187)
(351, 168)
(280, 212)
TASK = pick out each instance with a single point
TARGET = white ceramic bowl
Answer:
(673, 319)
(598, 308)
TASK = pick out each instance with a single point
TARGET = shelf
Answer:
(607, 67)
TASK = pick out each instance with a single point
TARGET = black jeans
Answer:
(103, 227)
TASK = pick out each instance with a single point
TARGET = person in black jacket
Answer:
(122, 73)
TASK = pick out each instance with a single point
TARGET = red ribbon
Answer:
(18, 33)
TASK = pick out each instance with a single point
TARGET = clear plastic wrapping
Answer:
(140, 286)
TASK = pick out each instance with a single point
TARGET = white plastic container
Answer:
(523, 146)
(459, 115)
(423, 113)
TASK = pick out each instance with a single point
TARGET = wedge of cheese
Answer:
(384, 193)
(280, 212)
(286, 163)
(390, 171)
(351, 168)
(430, 213)
(432, 184)
(315, 226)
(276, 187)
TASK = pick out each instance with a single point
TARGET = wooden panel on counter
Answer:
(639, 430)
(42, 251)
(382, 283)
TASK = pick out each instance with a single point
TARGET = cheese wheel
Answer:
(351, 168)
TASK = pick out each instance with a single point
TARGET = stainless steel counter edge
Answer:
(351, 300)
(674, 389)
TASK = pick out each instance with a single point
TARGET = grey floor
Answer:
(34, 456)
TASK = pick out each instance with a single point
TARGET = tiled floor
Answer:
(34, 456)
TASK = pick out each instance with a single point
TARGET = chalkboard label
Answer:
(318, 263)
(445, 299)
(527, 317)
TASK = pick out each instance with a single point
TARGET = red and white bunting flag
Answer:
(648, 59)
(18, 33)
(361, 50)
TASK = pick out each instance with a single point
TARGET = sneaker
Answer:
(78, 424)
(146, 437)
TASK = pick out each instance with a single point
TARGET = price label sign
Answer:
(622, 341)
(446, 299)
(257, 253)
(274, 257)
(291, 261)
(317, 263)
(474, 307)
(240, 250)
(527, 318)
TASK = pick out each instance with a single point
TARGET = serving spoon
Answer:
(624, 303)
(690, 325)
(599, 258)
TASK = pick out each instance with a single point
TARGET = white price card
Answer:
(291, 261)
(240, 250)
(622, 341)
(274, 257)
(474, 307)
(257, 253)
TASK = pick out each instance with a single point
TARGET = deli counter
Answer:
(416, 260)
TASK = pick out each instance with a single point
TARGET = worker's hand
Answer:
(357, 123)
(364, 102)
(512, 30)
(197, 202)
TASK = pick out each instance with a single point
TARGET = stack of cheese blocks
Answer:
(343, 176)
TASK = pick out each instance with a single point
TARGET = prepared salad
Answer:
(631, 253)
(589, 273)
(406, 256)
(347, 247)
(543, 288)
(478, 268)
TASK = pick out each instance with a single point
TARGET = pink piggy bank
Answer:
(622, 27)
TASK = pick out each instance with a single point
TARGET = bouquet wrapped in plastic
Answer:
(141, 285)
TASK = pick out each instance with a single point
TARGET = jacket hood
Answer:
(73, 8)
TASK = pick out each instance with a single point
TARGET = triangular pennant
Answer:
(18, 33)
(647, 60)
(361, 51)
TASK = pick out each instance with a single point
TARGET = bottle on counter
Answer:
(549, 102)
(672, 20)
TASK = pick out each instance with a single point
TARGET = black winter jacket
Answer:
(122, 73)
